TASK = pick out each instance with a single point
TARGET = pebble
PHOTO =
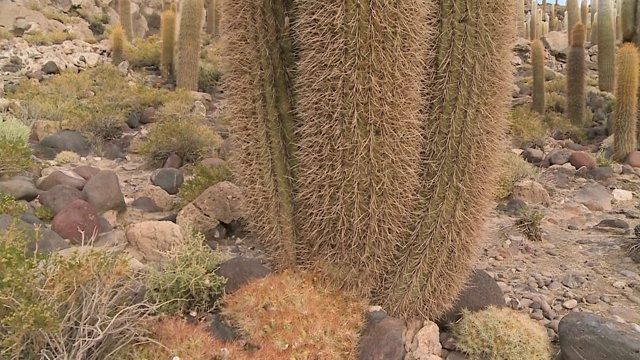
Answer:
(592, 299)
(570, 304)
(635, 327)
(554, 285)
(619, 285)
(605, 299)
(629, 274)
(633, 299)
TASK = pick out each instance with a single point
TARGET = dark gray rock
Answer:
(146, 204)
(223, 330)
(19, 188)
(589, 336)
(559, 156)
(47, 242)
(59, 196)
(383, 341)
(50, 68)
(482, 291)
(68, 140)
(104, 193)
(32, 219)
(533, 156)
(168, 179)
(239, 271)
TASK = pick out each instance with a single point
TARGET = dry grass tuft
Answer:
(291, 317)
(513, 168)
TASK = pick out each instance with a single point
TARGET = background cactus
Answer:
(594, 32)
(367, 212)
(212, 17)
(606, 46)
(501, 334)
(584, 12)
(537, 63)
(628, 17)
(187, 62)
(576, 96)
(168, 32)
(117, 44)
(124, 11)
(533, 21)
(573, 16)
(520, 24)
(626, 108)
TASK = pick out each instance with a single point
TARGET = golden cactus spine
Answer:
(187, 62)
(168, 32)
(576, 96)
(606, 46)
(124, 11)
(537, 64)
(117, 38)
(626, 108)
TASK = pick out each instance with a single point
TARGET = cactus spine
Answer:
(117, 44)
(168, 32)
(124, 11)
(537, 62)
(533, 21)
(187, 62)
(606, 46)
(212, 17)
(576, 97)
(626, 109)
(366, 154)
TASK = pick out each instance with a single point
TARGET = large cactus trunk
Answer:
(378, 175)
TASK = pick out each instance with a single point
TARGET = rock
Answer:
(168, 179)
(148, 115)
(58, 177)
(558, 156)
(589, 336)
(595, 197)
(47, 243)
(50, 68)
(112, 151)
(86, 172)
(533, 156)
(531, 191)
(621, 195)
(152, 239)
(383, 341)
(212, 162)
(634, 159)
(173, 162)
(481, 292)
(222, 330)
(221, 202)
(427, 342)
(32, 219)
(159, 196)
(68, 140)
(10, 13)
(19, 189)
(104, 193)
(239, 271)
(580, 158)
(612, 223)
(555, 41)
(78, 222)
(599, 174)
(59, 197)
(570, 304)
(516, 207)
(627, 314)
(226, 148)
(146, 204)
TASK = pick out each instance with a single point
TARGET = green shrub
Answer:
(144, 52)
(209, 77)
(46, 300)
(527, 127)
(187, 282)
(513, 168)
(12, 129)
(44, 213)
(203, 178)
(14, 147)
(9, 206)
(189, 137)
(501, 334)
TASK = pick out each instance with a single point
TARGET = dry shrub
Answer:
(49, 38)
(144, 52)
(67, 157)
(14, 147)
(174, 336)
(527, 127)
(5, 34)
(513, 168)
(290, 317)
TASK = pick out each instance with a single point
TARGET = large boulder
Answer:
(586, 335)
(19, 188)
(220, 203)
(59, 197)
(152, 239)
(44, 240)
(556, 42)
(104, 193)
(68, 140)
(239, 271)
(10, 13)
(78, 222)
(68, 178)
(383, 341)
(595, 197)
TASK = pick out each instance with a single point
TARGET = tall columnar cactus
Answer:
(533, 21)
(594, 32)
(594, 11)
(628, 18)
(360, 176)
(212, 17)
(573, 15)
(584, 12)
(520, 24)
(117, 38)
(606, 46)
(124, 11)
(168, 32)
(626, 108)
(576, 96)
(187, 62)
(537, 63)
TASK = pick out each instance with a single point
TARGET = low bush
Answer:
(187, 282)
(9, 206)
(14, 147)
(513, 168)
(67, 157)
(49, 38)
(44, 213)
(527, 127)
(144, 52)
(203, 178)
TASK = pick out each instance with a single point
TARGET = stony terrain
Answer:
(579, 263)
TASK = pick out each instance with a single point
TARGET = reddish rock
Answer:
(580, 158)
(77, 218)
(634, 159)
(87, 172)
(173, 161)
(212, 162)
